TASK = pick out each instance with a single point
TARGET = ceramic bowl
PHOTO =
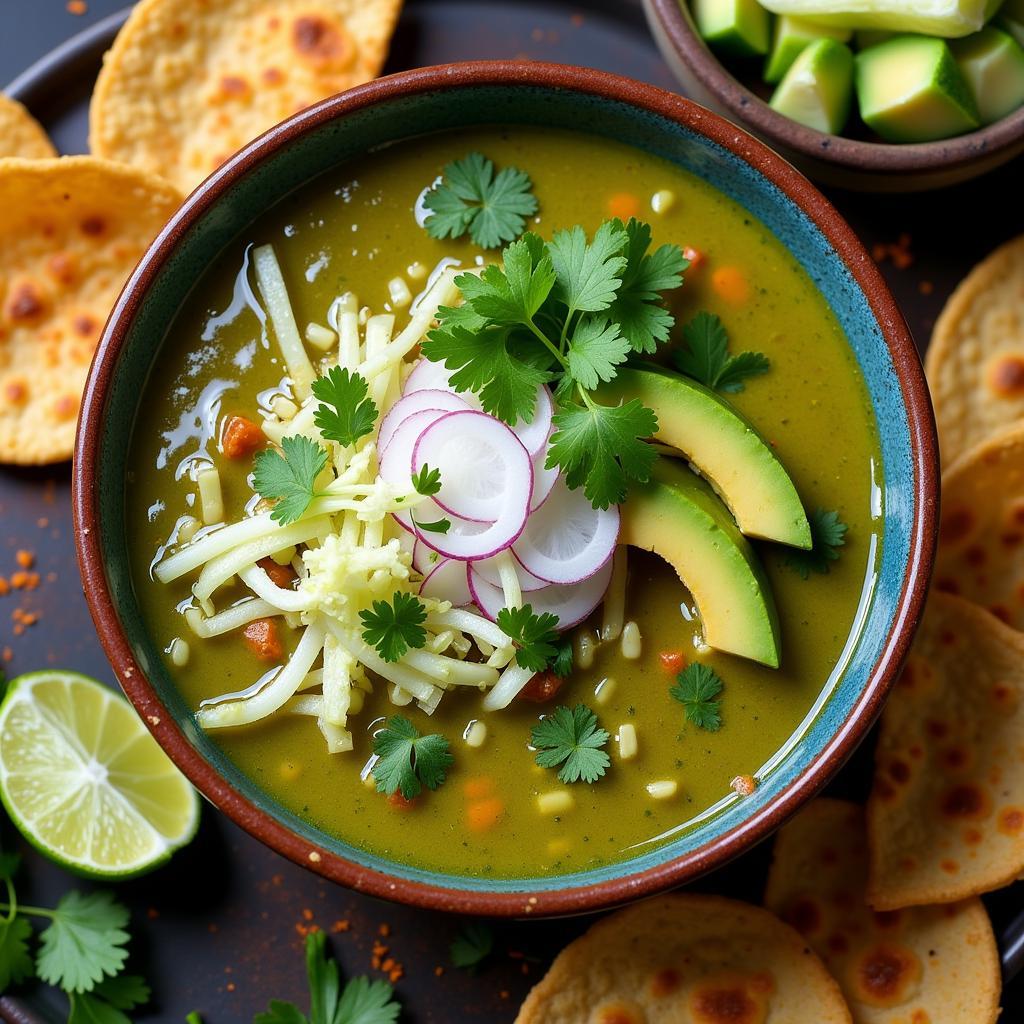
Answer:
(429, 99)
(830, 159)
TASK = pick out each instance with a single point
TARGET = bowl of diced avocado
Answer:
(882, 95)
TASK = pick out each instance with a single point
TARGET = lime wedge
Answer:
(85, 782)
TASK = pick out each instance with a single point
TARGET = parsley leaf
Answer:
(344, 414)
(288, 479)
(535, 636)
(595, 349)
(561, 664)
(706, 356)
(696, 688)
(407, 761)
(491, 207)
(15, 959)
(394, 628)
(588, 274)
(472, 945)
(828, 535)
(427, 481)
(572, 737)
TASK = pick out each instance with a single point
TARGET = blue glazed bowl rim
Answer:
(437, 890)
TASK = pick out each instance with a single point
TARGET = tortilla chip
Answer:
(946, 814)
(21, 134)
(188, 82)
(981, 531)
(975, 363)
(923, 964)
(700, 959)
(71, 230)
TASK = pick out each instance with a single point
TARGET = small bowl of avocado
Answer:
(874, 95)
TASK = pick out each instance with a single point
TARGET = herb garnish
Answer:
(535, 636)
(572, 737)
(361, 1001)
(473, 944)
(344, 414)
(561, 663)
(492, 208)
(407, 761)
(828, 535)
(288, 477)
(394, 628)
(706, 358)
(428, 482)
(566, 312)
(697, 688)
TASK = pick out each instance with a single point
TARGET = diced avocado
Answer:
(726, 449)
(679, 517)
(992, 63)
(738, 27)
(910, 90)
(865, 37)
(818, 88)
(949, 18)
(791, 36)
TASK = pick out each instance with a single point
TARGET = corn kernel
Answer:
(179, 652)
(586, 647)
(188, 526)
(283, 408)
(475, 734)
(627, 741)
(663, 200)
(632, 642)
(558, 801)
(398, 292)
(605, 690)
(321, 337)
(663, 789)
(211, 498)
(417, 271)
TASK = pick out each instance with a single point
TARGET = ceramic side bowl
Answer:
(830, 159)
(515, 93)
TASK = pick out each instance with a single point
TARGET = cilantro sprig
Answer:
(407, 761)
(566, 312)
(572, 739)
(473, 944)
(361, 1001)
(705, 356)
(697, 688)
(492, 207)
(288, 478)
(828, 535)
(344, 414)
(535, 636)
(427, 482)
(396, 626)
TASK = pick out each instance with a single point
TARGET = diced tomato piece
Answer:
(263, 640)
(399, 802)
(280, 575)
(695, 256)
(241, 437)
(672, 661)
(541, 688)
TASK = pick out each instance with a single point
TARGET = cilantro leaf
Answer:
(535, 636)
(571, 739)
(706, 356)
(106, 1003)
(561, 664)
(828, 535)
(407, 761)
(427, 481)
(473, 944)
(15, 959)
(437, 526)
(344, 414)
(601, 448)
(513, 293)
(126, 991)
(589, 274)
(492, 208)
(394, 628)
(367, 1002)
(595, 349)
(288, 479)
(84, 942)
(696, 688)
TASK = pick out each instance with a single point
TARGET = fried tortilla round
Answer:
(21, 134)
(975, 362)
(71, 230)
(188, 82)
(946, 813)
(922, 964)
(700, 959)
(981, 529)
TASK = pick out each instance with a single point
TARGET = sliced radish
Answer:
(543, 479)
(429, 398)
(567, 540)
(488, 570)
(447, 582)
(396, 459)
(571, 603)
(428, 375)
(467, 541)
(533, 433)
(484, 468)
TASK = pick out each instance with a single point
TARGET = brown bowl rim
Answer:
(578, 899)
(854, 154)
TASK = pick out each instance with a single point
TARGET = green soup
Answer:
(354, 230)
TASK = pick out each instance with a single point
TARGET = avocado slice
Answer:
(818, 88)
(723, 446)
(679, 517)
(790, 38)
(992, 63)
(911, 90)
(741, 28)
(948, 18)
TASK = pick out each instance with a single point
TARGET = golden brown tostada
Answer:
(188, 82)
(71, 230)
(700, 959)
(975, 362)
(925, 964)
(946, 813)
(21, 134)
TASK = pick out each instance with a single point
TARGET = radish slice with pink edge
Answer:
(533, 433)
(567, 540)
(484, 468)
(418, 401)
(447, 582)
(543, 479)
(396, 458)
(488, 570)
(571, 603)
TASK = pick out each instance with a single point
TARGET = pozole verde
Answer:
(341, 644)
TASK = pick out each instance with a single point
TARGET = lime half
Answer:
(85, 782)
